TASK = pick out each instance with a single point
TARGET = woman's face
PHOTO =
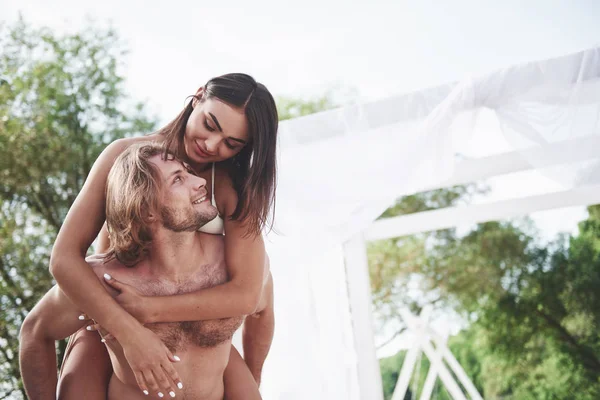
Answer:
(214, 132)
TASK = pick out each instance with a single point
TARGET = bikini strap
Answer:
(214, 203)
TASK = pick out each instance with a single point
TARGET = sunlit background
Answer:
(346, 51)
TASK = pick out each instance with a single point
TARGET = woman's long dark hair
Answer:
(253, 170)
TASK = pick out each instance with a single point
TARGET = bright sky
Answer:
(376, 48)
(379, 48)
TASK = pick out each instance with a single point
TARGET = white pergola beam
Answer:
(452, 216)
(430, 380)
(408, 366)
(359, 291)
(562, 152)
(445, 375)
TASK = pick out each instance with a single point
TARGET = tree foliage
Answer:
(62, 100)
(293, 107)
(532, 308)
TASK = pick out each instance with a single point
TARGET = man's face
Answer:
(185, 203)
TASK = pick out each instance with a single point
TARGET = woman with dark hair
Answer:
(227, 134)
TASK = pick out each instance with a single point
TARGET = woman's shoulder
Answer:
(225, 193)
(125, 142)
(116, 147)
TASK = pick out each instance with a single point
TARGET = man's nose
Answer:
(199, 182)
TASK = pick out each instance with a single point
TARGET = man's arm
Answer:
(53, 318)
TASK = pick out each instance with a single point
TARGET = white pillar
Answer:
(406, 372)
(359, 290)
(445, 375)
(456, 367)
(430, 380)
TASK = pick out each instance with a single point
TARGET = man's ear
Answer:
(151, 217)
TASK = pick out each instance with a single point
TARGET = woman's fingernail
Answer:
(180, 385)
(172, 393)
(161, 395)
(107, 277)
(177, 358)
(89, 327)
(81, 317)
(103, 340)
(146, 392)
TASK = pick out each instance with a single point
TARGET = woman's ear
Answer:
(198, 96)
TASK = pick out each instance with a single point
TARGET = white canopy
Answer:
(340, 169)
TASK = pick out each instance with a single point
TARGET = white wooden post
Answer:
(445, 375)
(406, 372)
(424, 334)
(456, 367)
(359, 291)
(431, 377)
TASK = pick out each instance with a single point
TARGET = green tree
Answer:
(395, 265)
(62, 100)
(293, 107)
(532, 307)
(534, 304)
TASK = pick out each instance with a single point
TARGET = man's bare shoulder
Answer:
(101, 265)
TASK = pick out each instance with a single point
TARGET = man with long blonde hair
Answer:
(155, 206)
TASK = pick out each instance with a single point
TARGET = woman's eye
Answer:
(229, 145)
(177, 179)
(207, 126)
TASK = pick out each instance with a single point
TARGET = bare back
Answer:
(203, 346)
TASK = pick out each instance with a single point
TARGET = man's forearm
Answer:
(37, 358)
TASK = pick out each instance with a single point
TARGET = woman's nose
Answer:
(211, 144)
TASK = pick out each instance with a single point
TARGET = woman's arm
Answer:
(82, 224)
(143, 349)
(245, 260)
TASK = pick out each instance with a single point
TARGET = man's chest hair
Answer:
(206, 276)
(177, 335)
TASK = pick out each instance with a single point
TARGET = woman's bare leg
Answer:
(86, 368)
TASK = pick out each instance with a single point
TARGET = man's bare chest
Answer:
(179, 335)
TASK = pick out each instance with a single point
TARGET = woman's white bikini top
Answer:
(215, 226)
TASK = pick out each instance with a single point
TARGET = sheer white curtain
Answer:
(338, 170)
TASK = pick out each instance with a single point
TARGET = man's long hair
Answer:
(133, 193)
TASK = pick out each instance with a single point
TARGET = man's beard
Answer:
(185, 221)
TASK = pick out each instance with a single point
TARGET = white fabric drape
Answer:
(338, 170)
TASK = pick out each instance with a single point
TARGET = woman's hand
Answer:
(149, 359)
(95, 327)
(131, 300)
(151, 362)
